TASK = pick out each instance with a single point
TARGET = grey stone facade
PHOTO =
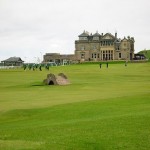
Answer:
(99, 47)
(96, 47)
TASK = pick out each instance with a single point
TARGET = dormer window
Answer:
(95, 38)
(83, 38)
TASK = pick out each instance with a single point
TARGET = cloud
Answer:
(28, 27)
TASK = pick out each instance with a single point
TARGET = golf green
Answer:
(103, 108)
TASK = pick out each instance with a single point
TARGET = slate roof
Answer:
(109, 34)
(13, 59)
(84, 34)
(96, 34)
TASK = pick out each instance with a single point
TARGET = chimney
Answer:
(116, 35)
(102, 34)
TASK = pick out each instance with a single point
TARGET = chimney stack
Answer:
(116, 35)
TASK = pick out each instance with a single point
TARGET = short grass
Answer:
(102, 109)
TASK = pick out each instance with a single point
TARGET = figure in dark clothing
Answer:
(24, 67)
(100, 65)
(36, 66)
(33, 68)
(107, 64)
(40, 68)
(47, 67)
(29, 66)
(125, 63)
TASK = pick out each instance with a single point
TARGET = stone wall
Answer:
(60, 79)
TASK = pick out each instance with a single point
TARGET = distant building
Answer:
(97, 47)
(58, 58)
(139, 56)
(13, 61)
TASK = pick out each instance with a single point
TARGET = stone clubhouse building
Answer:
(96, 47)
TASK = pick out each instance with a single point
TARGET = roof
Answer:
(96, 34)
(108, 35)
(13, 59)
(84, 34)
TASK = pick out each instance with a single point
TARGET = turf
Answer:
(106, 109)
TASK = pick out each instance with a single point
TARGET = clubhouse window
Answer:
(119, 55)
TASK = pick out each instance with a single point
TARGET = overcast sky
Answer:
(31, 28)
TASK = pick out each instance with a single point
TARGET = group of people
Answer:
(100, 65)
(35, 67)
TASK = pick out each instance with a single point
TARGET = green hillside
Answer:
(102, 109)
(146, 53)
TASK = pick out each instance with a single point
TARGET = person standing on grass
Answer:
(107, 64)
(33, 67)
(40, 68)
(24, 67)
(100, 65)
(47, 67)
(29, 66)
(126, 63)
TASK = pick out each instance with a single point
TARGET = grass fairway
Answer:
(102, 109)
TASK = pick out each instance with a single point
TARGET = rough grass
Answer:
(107, 108)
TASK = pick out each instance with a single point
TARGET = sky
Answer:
(31, 28)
